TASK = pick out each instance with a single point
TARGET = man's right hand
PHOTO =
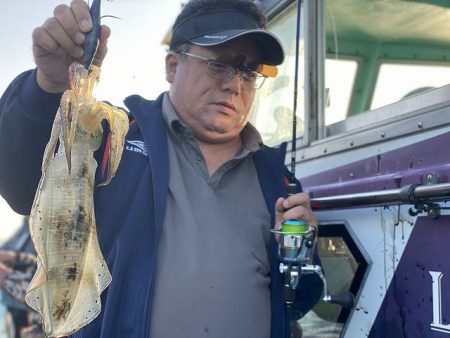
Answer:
(59, 42)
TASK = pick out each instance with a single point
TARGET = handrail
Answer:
(410, 194)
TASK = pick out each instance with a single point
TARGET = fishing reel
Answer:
(295, 248)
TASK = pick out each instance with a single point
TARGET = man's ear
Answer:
(172, 60)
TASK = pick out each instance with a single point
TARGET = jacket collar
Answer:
(148, 116)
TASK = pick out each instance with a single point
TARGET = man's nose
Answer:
(234, 82)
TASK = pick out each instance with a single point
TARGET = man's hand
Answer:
(296, 206)
(8, 256)
(59, 42)
(7, 259)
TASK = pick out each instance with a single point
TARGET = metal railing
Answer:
(410, 194)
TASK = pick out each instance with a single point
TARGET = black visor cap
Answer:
(214, 28)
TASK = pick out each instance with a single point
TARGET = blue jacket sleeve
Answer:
(26, 118)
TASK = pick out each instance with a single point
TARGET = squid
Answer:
(71, 270)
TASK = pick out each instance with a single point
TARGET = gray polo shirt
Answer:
(212, 275)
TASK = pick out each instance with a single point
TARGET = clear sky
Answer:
(135, 61)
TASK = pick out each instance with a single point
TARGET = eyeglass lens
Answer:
(221, 71)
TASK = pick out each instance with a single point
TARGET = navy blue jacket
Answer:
(130, 210)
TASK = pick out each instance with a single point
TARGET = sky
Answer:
(134, 64)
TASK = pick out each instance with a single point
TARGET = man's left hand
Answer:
(297, 206)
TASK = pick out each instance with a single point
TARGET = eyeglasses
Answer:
(223, 72)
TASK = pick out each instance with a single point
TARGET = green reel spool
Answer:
(294, 226)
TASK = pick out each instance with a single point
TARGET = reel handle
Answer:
(345, 299)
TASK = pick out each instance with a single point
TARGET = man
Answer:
(17, 267)
(184, 225)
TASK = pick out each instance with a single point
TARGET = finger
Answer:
(105, 33)
(297, 199)
(43, 43)
(68, 22)
(53, 38)
(80, 10)
(279, 211)
(279, 208)
(301, 212)
(298, 212)
(292, 207)
(4, 272)
(7, 255)
(102, 49)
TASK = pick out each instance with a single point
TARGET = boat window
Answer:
(376, 54)
(273, 106)
(397, 81)
(339, 80)
(402, 47)
(345, 265)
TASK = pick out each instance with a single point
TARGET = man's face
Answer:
(216, 110)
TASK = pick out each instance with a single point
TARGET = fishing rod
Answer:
(292, 179)
(296, 237)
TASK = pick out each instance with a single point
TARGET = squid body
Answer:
(72, 272)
